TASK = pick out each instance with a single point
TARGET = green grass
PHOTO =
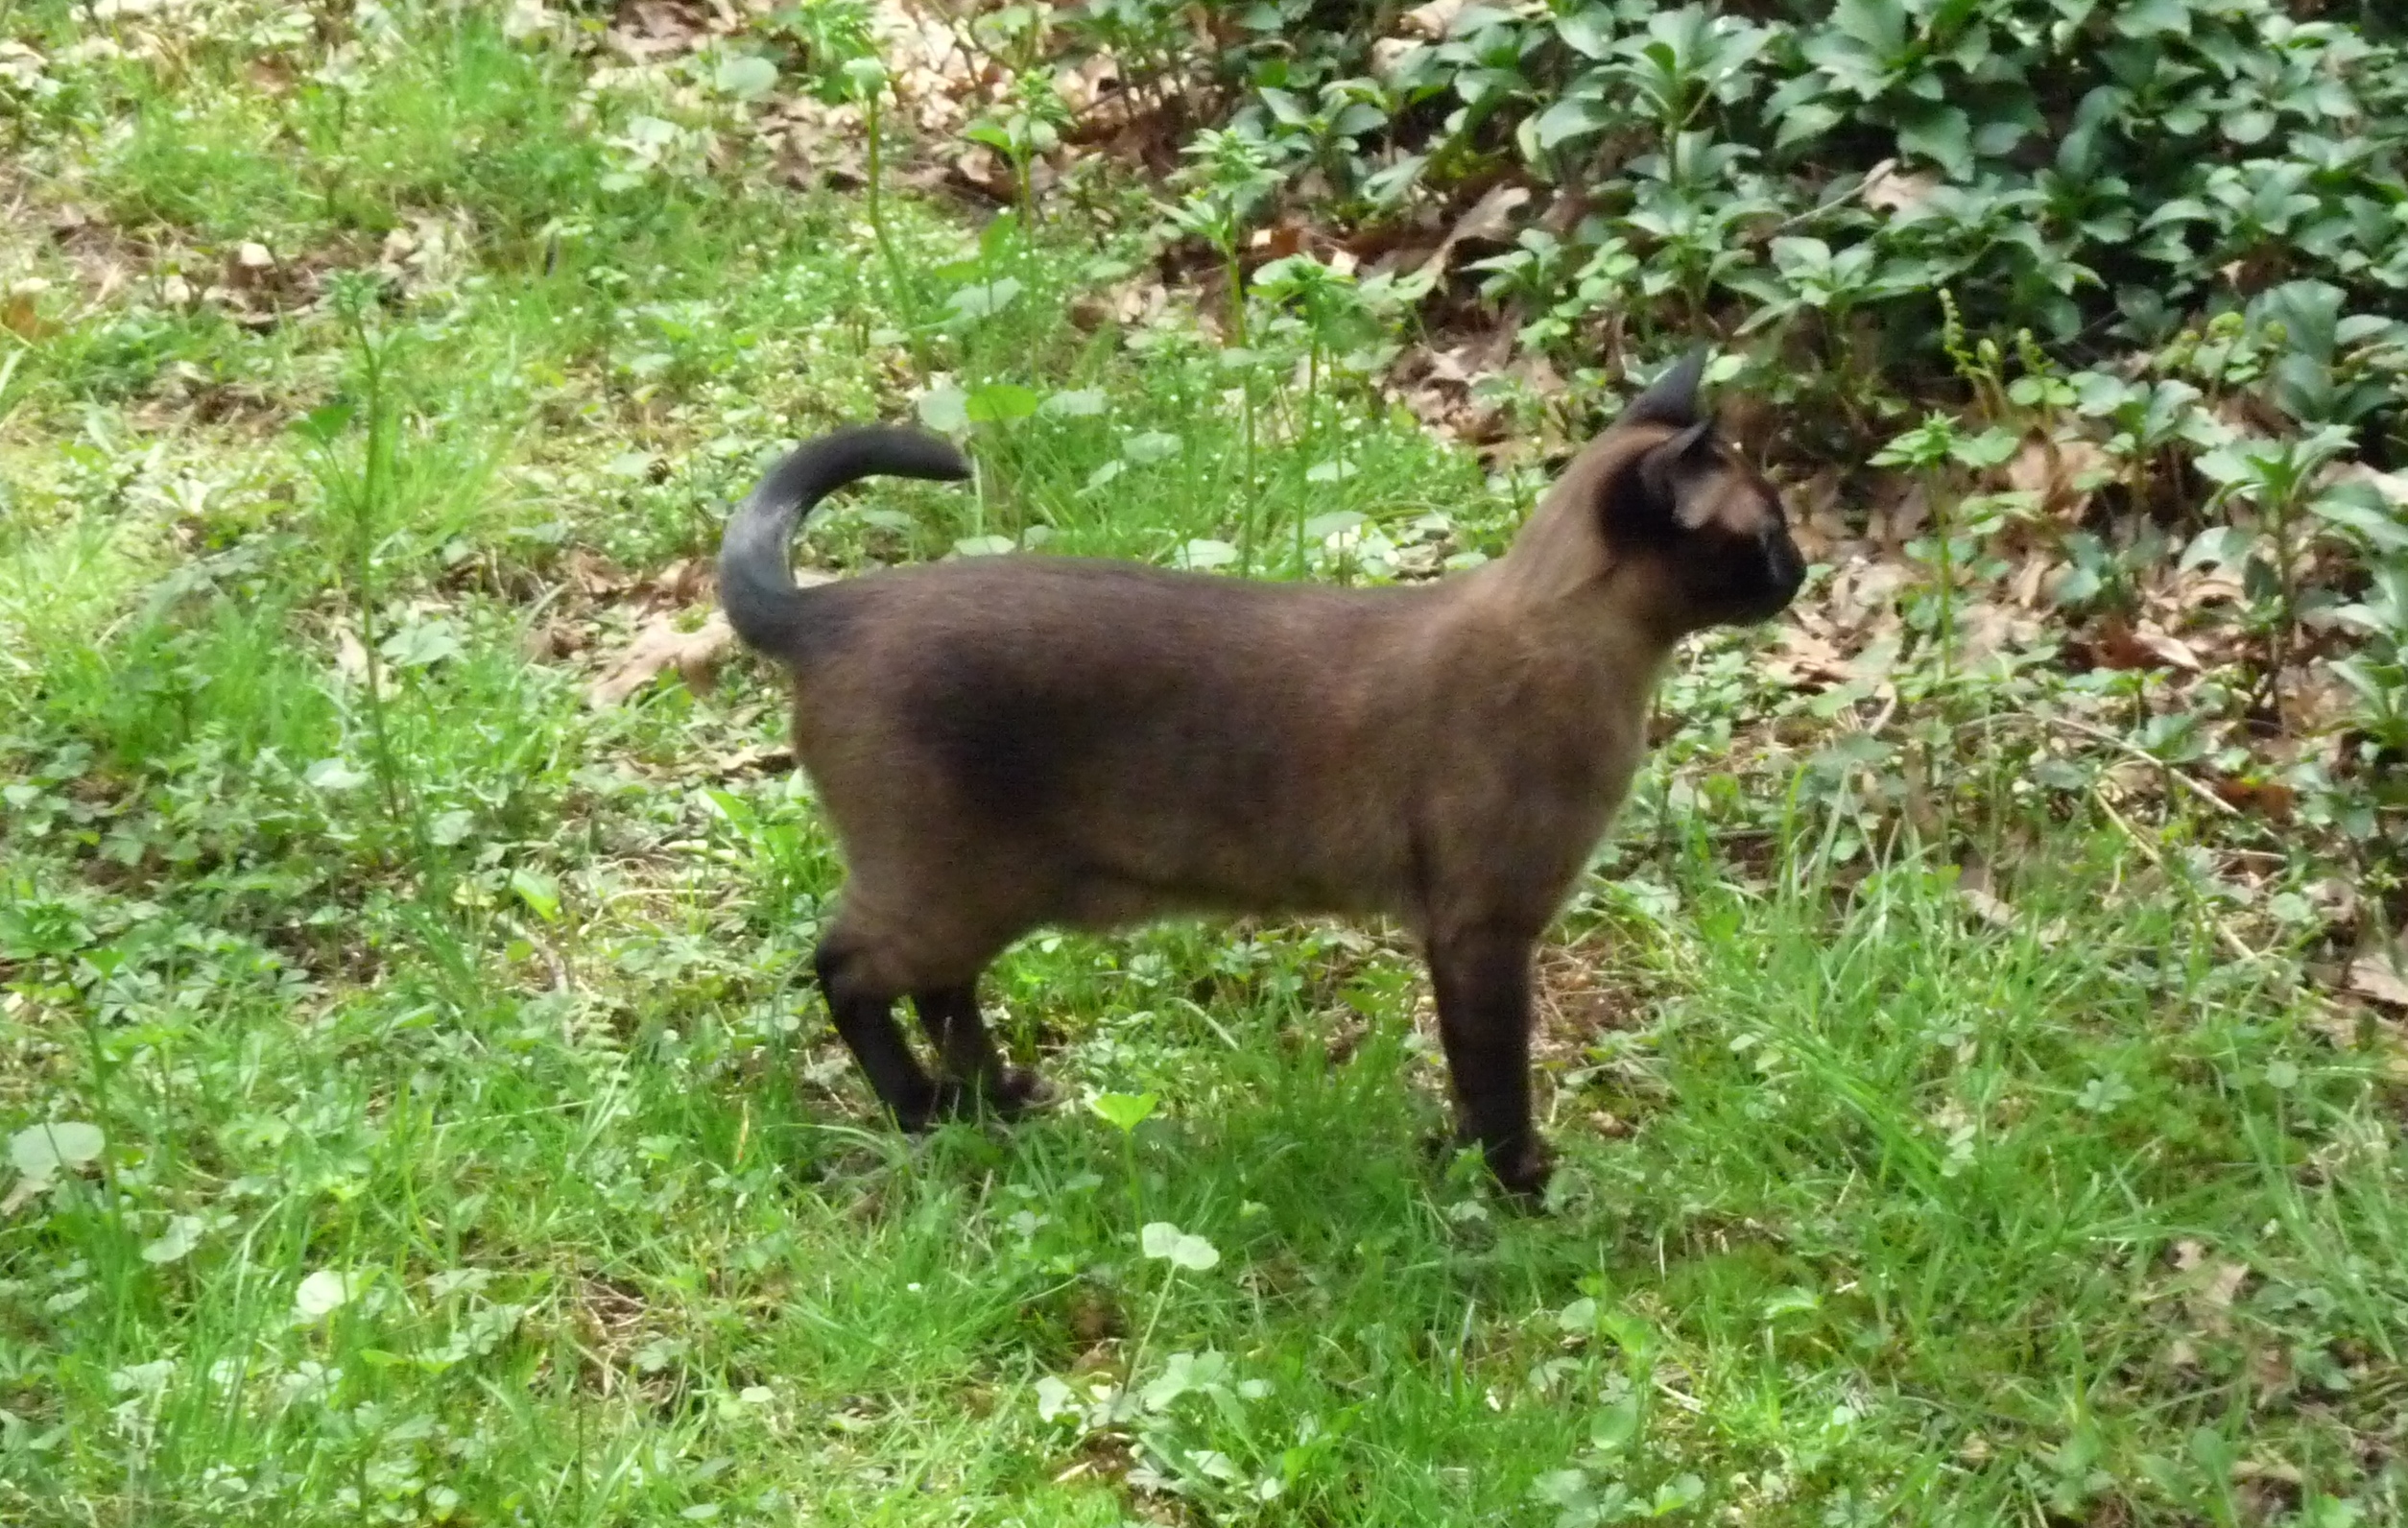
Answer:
(476, 1151)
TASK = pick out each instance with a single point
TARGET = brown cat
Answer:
(1008, 742)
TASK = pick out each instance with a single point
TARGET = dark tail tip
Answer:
(755, 585)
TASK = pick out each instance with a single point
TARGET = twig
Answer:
(7, 371)
(1889, 709)
(2125, 744)
(1878, 172)
(2149, 851)
(2177, 776)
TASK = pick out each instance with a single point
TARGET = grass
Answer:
(476, 1153)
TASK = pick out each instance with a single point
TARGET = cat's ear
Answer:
(1657, 494)
(1672, 398)
(1669, 470)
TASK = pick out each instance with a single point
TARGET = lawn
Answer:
(420, 1109)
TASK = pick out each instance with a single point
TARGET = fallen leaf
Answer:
(2117, 644)
(2316, 702)
(1819, 525)
(1539, 374)
(350, 658)
(2224, 1283)
(591, 576)
(1984, 903)
(1465, 363)
(2271, 799)
(20, 317)
(2061, 475)
(757, 759)
(552, 639)
(1804, 660)
(1893, 523)
(2030, 581)
(1888, 190)
(1387, 54)
(1996, 629)
(1433, 19)
(2392, 486)
(1279, 240)
(2379, 978)
(2199, 588)
(1096, 80)
(1127, 305)
(2171, 651)
(660, 644)
(684, 581)
(2336, 902)
(1489, 222)
(527, 18)
(1864, 591)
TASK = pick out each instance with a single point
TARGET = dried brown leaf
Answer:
(1482, 355)
(2224, 1283)
(1098, 81)
(553, 639)
(1278, 241)
(2117, 644)
(756, 760)
(1888, 189)
(1864, 591)
(2268, 799)
(1432, 20)
(2030, 582)
(2061, 475)
(1974, 885)
(2200, 589)
(1490, 221)
(2171, 651)
(659, 645)
(2379, 978)
(1539, 374)
(1804, 660)
(2393, 487)
(21, 318)
(1996, 629)
(1386, 53)
(351, 658)
(1490, 218)
(591, 576)
(684, 581)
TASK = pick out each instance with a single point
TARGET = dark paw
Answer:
(941, 1103)
(1013, 1094)
(1019, 1090)
(1523, 1170)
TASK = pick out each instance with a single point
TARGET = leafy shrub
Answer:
(2091, 171)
